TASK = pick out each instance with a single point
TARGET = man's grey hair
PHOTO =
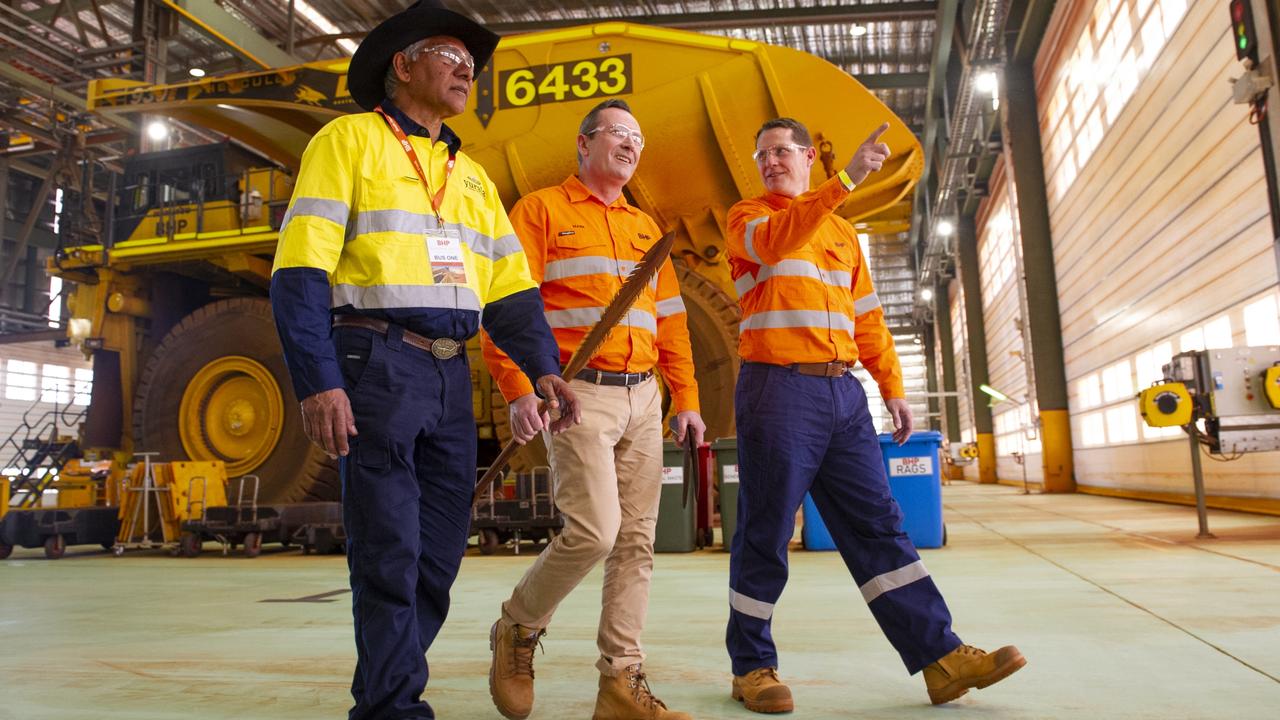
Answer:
(589, 122)
(390, 81)
(799, 133)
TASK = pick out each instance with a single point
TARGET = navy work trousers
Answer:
(406, 503)
(801, 433)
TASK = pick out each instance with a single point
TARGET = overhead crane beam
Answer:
(238, 36)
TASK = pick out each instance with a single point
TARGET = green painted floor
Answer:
(1119, 610)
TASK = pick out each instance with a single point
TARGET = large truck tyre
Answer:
(713, 332)
(217, 388)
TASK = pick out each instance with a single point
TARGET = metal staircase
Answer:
(37, 450)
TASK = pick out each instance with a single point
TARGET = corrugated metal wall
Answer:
(1161, 233)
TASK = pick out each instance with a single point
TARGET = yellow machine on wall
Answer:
(174, 310)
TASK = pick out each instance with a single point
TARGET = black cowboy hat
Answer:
(423, 19)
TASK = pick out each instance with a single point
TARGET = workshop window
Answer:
(83, 386)
(1098, 78)
(1117, 381)
(1093, 429)
(1122, 424)
(1262, 322)
(20, 380)
(1191, 340)
(1217, 334)
(55, 384)
(1089, 391)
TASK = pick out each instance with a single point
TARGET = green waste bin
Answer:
(676, 523)
(726, 450)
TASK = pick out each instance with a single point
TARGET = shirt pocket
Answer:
(571, 240)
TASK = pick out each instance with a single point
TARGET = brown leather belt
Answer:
(603, 377)
(830, 369)
(442, 348)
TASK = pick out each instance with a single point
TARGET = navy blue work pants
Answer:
(801, 433)
(406, 503)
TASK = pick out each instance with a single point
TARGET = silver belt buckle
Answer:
(445, 348)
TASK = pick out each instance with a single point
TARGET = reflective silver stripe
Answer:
(750, 606)
(335, 211)
(794, 268)
(588, 265)
(866, 304)
(492, 248)
(411, 223)
(670, 306)
(782, 319)
(450, 297)
(883, 583)
(402, 221)
(586, 317)
(750, 237)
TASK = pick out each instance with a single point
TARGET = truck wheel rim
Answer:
(233, 411)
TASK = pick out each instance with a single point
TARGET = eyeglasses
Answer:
(778, 152)
(622, 132)
(452, 56)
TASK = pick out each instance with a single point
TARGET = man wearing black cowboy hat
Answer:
(384, 269)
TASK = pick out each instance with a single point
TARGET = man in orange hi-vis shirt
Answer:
(809, 312)
(582, 238)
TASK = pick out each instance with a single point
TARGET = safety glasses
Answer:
(778, 152)
(452, 56)
(622, 132)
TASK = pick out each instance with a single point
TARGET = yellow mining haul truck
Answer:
(173, 305)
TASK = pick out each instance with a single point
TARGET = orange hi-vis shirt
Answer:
(580, 251)
(805, 288)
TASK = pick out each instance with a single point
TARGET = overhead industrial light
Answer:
(945, 228)
(987, 83)
(995, 394)
(196, 72)
(326, 26)
(157, 130)
(926, 294)
(859, 30)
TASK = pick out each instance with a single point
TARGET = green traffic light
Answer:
(1244, 43)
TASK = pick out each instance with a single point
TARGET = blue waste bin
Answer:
(914, 480)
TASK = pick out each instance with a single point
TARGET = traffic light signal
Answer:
(1242, 29)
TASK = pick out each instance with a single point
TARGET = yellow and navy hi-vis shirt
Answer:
(353, 241)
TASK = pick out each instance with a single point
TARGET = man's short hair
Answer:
(593, 117)
(799, 133)
(390, 81)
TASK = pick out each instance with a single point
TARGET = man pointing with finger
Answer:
(809, 312)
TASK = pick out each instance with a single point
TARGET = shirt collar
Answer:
(579, 192)
(411, 127)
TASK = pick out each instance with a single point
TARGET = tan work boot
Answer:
(627, 697)
(761, 691)
(968, 667)
(511, 671)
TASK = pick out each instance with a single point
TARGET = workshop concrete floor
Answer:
(1120, 611)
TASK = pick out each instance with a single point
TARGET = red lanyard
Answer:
(438, 197)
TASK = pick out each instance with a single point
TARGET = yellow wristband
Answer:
(846, 180)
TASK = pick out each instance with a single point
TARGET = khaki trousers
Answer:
(608, 479)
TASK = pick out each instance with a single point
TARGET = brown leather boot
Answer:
(627, 697)
(761, 691)
(968, 667)
(511, 671)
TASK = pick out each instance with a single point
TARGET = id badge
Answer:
(444, 249)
